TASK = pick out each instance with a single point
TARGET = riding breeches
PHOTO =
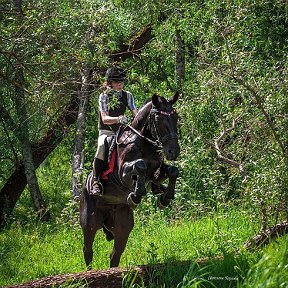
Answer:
(103, 134)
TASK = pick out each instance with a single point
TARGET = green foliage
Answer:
(29, 251)
(223, 41)
(236, 54)
(271, 270)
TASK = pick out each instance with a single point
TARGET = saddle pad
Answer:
(111, 165)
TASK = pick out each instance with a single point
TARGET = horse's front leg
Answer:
(135, 172)
(172, 173)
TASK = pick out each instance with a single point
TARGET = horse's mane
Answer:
(141, 116)
(144, 111)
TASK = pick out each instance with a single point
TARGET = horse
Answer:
(140, 151)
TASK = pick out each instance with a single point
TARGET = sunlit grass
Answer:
(272, 269)
(33, 251)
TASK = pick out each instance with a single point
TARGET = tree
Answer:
(78, 154)
(22, 132)
(61, 95)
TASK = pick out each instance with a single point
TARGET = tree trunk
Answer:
(16, 183)
(22, 134)
(78, 154)
(180, 60)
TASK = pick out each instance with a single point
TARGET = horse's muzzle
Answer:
(172, 150)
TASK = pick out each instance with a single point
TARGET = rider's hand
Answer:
(122, 119)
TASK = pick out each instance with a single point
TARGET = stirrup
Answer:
(97, 189)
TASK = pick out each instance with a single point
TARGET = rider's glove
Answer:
(122, 119)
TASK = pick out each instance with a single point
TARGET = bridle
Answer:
(158, 143)
(153, 128)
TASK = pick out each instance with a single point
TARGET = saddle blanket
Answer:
(111, 165)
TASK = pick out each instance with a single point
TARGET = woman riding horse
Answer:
(112, 105)
(140, 151)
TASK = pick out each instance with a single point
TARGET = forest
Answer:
(228, 61)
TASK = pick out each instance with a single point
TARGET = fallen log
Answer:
(266, 236)
(93, 279)
(113, 277)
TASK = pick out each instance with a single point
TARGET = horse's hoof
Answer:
(162, 204)
(132, 202)
(140, 166)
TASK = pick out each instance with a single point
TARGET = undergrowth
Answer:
(39, 249)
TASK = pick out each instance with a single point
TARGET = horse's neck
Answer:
(140, 120)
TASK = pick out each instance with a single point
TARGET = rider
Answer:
(112, 105)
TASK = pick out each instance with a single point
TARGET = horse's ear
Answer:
(174, 98)
(155, 99)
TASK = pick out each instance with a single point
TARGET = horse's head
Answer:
(163, 124)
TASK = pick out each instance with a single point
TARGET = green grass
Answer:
(272, 269)
(266, 268)
(41, 249)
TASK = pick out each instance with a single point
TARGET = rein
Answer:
(160, 141)
(153, 129)
(154, 143)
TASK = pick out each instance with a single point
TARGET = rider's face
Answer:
(117, 85)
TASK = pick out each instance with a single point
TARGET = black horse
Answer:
(141, 148)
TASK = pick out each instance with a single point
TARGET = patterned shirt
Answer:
(104, 102)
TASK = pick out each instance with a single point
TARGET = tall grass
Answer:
(36, 250)
(266, 268)
(30, 249)
(272, 269)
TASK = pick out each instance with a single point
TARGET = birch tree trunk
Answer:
(78, 154)
(180, 60)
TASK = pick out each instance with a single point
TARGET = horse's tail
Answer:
(88, 183)
(86, 203)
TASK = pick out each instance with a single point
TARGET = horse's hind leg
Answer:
(89, 236)
(123, 224)
(91, 220)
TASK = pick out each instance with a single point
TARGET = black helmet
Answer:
(115, 74)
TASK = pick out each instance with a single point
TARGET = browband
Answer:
(163, 112)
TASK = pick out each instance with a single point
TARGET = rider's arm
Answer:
(103, 107)
(131, 104)
(108, 120)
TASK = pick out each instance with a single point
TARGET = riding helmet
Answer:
(115, 73)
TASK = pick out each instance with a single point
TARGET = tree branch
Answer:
(137, 44)
(220, 152)
(266, 115)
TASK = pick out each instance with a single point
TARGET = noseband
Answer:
(153, 128)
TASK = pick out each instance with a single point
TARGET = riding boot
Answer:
(98, 167)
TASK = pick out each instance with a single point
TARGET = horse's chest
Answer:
(153, 164)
